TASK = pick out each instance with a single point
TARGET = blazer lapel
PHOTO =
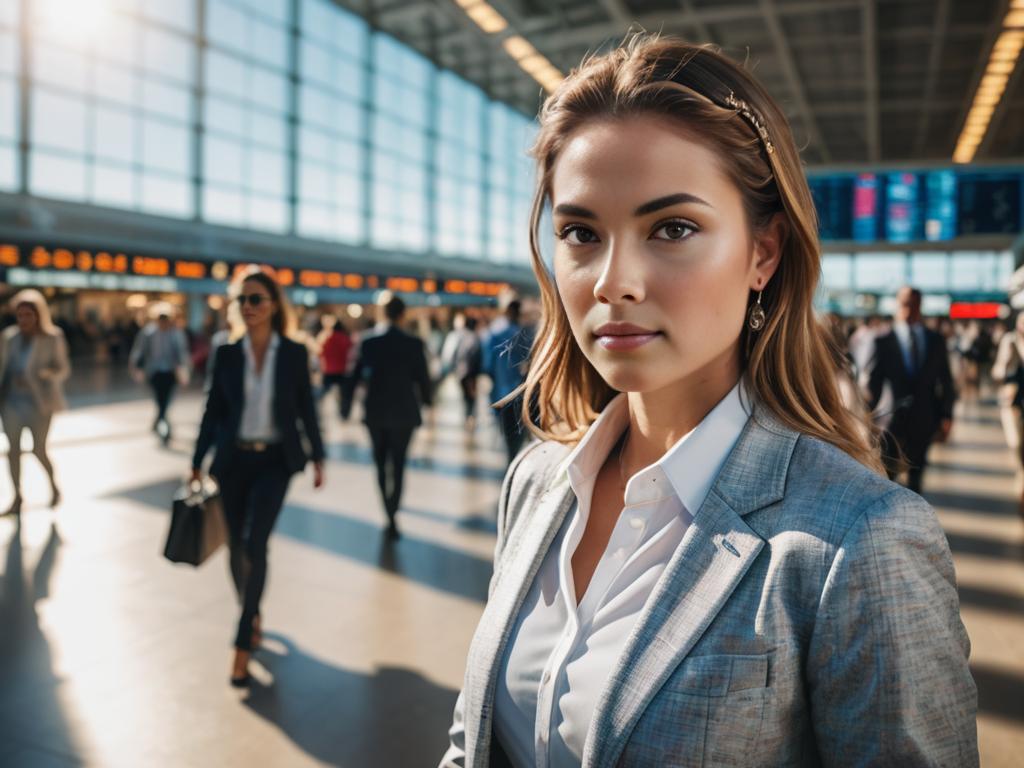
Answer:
(280, 369)
(523, 554)
(716, 552)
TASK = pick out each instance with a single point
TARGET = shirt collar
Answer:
(275, 340)
(690, 465)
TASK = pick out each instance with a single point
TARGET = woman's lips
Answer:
(624, 336)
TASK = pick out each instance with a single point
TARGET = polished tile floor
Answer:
(111, 656)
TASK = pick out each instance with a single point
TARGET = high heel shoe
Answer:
(240, 669)
(55, 498)
(15, 509)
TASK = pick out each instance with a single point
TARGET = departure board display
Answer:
(833, 199)
(990, 204)
(940, 205)
(914, 206)
(866, 208)
(903, 222)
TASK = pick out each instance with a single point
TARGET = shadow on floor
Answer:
(985, 547)
(999, 692)
(340, 717)
(993, 600)
(970, 469)
(971, 503)
(355, 453)
(978, 447)
(424, 562)
(480, 523)
(33, 728)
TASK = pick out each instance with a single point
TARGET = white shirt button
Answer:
(619, 553)
(636, 522)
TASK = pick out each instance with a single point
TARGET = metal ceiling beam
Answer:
(701, 26)
(770, 17)
(939, 26)
(885, 106)
(872, 123)
(543, 37)
(618, 11)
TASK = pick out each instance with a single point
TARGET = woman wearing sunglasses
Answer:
(259, 394)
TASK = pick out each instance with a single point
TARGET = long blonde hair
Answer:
(789, 365)
(36, 300)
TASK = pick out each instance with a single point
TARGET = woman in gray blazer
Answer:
(33, 366)
(701, 563)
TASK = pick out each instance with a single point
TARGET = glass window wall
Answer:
(245, 115)
(389, 151)
(110, 114)
(9, 112)
(332, 118)
(398, 148)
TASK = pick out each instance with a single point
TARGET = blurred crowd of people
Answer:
(906, 372)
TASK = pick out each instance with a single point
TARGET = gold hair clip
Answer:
(752, 117)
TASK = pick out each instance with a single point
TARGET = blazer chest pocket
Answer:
(708, 713)
(720, 675)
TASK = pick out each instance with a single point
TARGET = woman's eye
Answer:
(674, 230)
(577, 235)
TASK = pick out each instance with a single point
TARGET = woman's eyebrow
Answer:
(568, 209)
(665, 202)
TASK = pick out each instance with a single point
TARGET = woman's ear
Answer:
(768, 244)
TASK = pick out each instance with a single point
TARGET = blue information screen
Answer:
(911, 206)
(903, 221)
(833, 199)
(941, 210)
(866, 208)
(990, 204)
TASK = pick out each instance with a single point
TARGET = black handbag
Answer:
(197, 524)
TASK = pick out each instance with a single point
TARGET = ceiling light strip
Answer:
(535, 64)
(1001, 63)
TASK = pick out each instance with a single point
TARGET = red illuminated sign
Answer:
(979, 310)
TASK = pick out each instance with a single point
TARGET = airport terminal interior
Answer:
(362, 150)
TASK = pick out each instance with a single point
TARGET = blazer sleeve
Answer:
(887, 671)
(422, 373)
(455, 757)
(876, 374)
(948, 397)
(139, 346)
(306, 407)
(215, 411)
(60, 367)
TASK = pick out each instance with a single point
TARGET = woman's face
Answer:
(653, 257)
(258, 314)
(27, 318)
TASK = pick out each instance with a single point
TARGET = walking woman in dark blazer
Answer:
(259, 395)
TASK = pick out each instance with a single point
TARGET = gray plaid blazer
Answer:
(809, 617)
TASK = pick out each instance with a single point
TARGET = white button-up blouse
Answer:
(258, 421)
(559, 654)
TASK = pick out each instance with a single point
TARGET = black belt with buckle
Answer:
(256, 446)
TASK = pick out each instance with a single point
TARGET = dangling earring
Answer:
(756, 316)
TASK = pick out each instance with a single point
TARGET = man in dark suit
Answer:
(393, 365)
(914, 361)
